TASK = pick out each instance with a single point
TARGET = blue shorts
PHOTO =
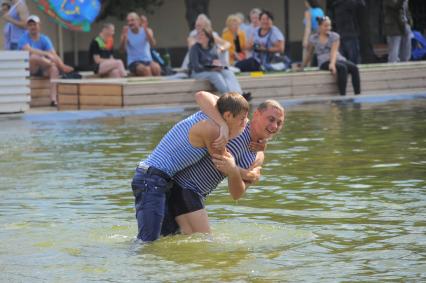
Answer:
(132, 67)
(151, 191)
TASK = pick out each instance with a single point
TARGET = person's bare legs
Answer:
(194, 222)
(121, 68)
(53, 74)
(38, 62)
(114, 74)
(112, 68)
(155, 68)
(60, 64)
(142, 70)
(48, 69)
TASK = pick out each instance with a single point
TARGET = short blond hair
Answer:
(270, 103)
(232, 18)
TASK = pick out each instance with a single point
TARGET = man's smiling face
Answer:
(267, 122)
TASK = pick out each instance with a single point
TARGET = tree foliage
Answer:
(120, 8)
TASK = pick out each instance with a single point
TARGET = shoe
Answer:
(247, 96)
(54, 104)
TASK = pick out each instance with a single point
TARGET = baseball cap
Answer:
(33, 18)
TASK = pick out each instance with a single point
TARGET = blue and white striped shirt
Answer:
(175, 152)
(203, 177)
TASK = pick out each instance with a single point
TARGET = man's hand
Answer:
(332, 68)
(222, 139)
(124, 31)
(144, 22)
(50, 56)
(6, 17)
(224, 163)
(252, 176)
(259, 145)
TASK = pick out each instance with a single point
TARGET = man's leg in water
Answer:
(170, 226)
(194, 222)
(150, 204)
(188, 209)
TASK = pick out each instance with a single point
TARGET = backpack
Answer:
(418, 43)
(165, 69)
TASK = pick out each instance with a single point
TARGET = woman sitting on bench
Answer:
(204, 64)
(326, 46)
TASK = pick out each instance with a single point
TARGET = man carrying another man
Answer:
(245, 152)
(182, 199)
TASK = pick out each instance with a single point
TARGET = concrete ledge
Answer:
(14, 90)
(128, 92)
(49, 114)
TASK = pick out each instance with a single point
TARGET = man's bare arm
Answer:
(207, 103)
(226, 164)
(23, 15)
(35, 51)
(252, 174)
(150, 36)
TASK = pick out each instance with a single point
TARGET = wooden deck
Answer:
(14, 90)
(117, 93)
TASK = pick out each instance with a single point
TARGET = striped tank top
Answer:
(175, 152)
(203, 177)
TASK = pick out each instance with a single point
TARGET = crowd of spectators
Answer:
(329, 42)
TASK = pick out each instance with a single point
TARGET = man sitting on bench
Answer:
(43, 59)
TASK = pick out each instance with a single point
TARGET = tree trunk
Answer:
(193, 9)
(366, 47)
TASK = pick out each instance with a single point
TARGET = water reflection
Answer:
(342, 197)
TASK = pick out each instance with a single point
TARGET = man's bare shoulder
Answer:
(207, 129)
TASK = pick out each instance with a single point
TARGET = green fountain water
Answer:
(342, 198)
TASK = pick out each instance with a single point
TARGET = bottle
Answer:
(167, 59)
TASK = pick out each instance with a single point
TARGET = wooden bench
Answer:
(89, 94)
(40, 89)
(14, 90)
(132, 92)
(40, 92)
